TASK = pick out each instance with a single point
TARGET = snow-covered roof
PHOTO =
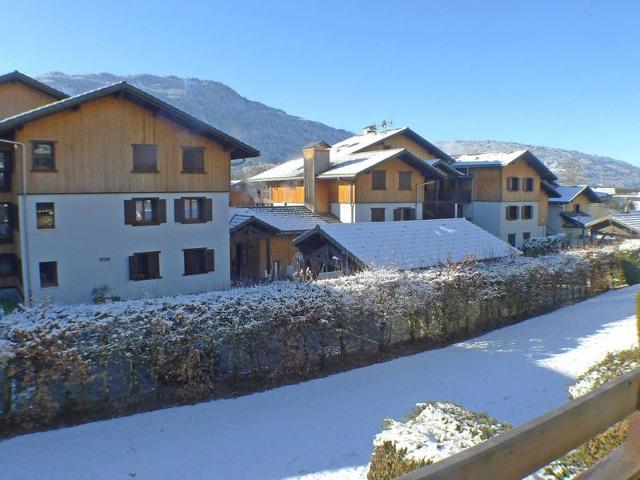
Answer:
(348, 151)
(502, 159)
(412, 244)
(290, 219)
(630, 221)
(569, 192)
(578, 219)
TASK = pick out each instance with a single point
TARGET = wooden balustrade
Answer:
(533, 445)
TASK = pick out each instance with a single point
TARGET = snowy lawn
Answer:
(324, 428)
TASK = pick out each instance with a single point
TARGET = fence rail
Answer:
(529, 447)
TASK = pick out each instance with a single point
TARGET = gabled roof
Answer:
(626, 221)
(16, 76)
(577, 219)
(411, 244)
(550, 189)
(569, 192)
(291, 220)
(238, 149)
(289, 170)
(502, 159)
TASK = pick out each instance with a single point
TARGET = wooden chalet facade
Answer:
(123, 193)
(571, 212)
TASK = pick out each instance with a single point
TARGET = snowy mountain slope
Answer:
(571, 166)
(323, 429)
(280, 136)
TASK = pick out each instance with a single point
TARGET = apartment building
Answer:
(119, 194)
(510, 193)
(376, 176)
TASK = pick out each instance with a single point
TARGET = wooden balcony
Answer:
(529, 447)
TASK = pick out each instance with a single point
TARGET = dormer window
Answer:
(43, 156)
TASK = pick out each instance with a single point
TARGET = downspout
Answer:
(24, 244)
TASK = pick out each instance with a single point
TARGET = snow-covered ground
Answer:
(323, 429)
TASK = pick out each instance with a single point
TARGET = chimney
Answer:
(316, 160)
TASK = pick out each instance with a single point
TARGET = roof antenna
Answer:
(386, 125)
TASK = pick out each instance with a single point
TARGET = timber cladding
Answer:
(16, 97)
(94, 151)
(520, 169)
(364, 192)
(402, 141)
(287, 192)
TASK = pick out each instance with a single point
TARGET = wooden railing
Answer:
(529, 447)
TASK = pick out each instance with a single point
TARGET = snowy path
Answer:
(324, 428)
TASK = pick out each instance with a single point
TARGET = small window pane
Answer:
(145, 211)
(192, 209)
(193, 159)
(46, 215)
(405, 181)
(379, 180)
(145, 158)
(48, 274)
(377, 214)
(42, 154)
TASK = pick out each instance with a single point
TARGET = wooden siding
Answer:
(322, 195)
(402, 141)
(16, 97)
(519, 168)
(341, 191)
(282, 249)
(543, 207)
(582, 200)
(365, 194)
(94, 154)
(287, 192)
(486, 184)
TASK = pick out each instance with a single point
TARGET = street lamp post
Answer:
(24, 245)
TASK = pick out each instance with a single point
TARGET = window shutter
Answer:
(397, 214)
(129, 212)
(207, 210)
(161, 215)
(13, 216)
(209, 260)
(133, 273)
(154, 265)
(412, 214)
(178, 210)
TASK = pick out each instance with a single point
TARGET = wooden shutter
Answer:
(129, 212)
(207, 210)
(161, 212)
(154, 265)
(397, 214)
(178, 210)
(133, 270)
(209, 260)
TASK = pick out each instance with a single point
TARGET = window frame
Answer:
(137, 276)
(379, 210)
(377, 174)
(53, 284)
(6, 171)
(529, 184)
(511, 236)
(148, 146)
(193, 149)
(204, 256)
(513, 184)
(526, 208)
(402, 174)
(53, 209)
(200, 202)
(516, 209)
(52, 144)
(526, 236)
(154, 211)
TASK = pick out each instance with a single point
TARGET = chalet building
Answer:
(570, 213)
(261, 240)
(510, 193)
(345, 248)
(119, 193)
(616, 225)
(19, 93)
(373, 177)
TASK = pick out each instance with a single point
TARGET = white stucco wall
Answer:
(342, 211)
(491, 216)
(363, 210)
(92, 245)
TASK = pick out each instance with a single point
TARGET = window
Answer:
(192, 160)
(526, 236)
(145, 211)
(5, 171)
(145, 158)
(404, 181)
(512, 212)
(378, 180)
(6, 224)
(527, 212)
(144, 266)
(576, 208)
(198, 260)
(513, 184)
(48, 274)
(511, 238)
(529, 186)
(193, 210)
(404, 214)
(43, 156)
(45, 213)
(8, 264)
(377, 214)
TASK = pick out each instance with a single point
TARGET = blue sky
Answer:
(556, 73)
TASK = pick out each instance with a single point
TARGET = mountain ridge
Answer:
(279, 135)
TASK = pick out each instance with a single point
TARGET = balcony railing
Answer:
(529, 447)
(461, 196)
